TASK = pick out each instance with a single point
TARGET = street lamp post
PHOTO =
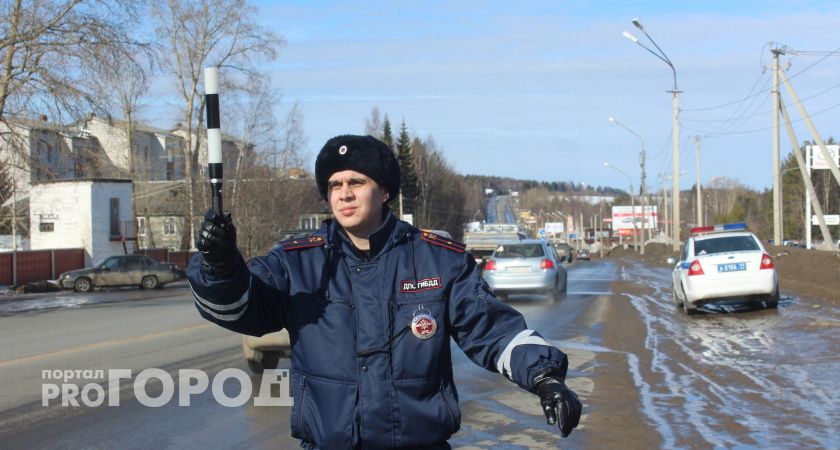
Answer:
(632, 204)
(675, 107)
(642, 182)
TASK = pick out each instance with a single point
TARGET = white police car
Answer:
(724, 262)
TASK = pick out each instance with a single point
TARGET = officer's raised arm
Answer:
(495, 336)
(244, 299)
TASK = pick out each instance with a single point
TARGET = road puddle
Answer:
(737, 375)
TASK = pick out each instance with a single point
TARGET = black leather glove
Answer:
(560, 404)
(217, 243)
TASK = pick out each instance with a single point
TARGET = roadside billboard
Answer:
(554, 227)
(624, 216)
(817, 160)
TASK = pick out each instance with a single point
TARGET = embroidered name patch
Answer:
(420, 285)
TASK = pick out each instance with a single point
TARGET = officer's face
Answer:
(356, 201)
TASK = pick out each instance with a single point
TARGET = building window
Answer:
(141, 226)
(46, 227)
(308, 223)
(170, 170)
(169, 226)
(115, 216)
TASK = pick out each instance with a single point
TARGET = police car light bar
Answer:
(739, 226)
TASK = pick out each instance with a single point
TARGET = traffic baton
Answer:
(214, 135)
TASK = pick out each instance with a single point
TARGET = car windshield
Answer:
(520, 251)
(724, 245)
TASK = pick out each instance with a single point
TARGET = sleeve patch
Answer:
(301, 243)
(443, 242)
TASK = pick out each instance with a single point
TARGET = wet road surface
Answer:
(649, 376)
(738, 376)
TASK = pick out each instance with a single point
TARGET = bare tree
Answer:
(373, 124)
(201, 33)
(293, 138)
(44, 43)
(440, 199)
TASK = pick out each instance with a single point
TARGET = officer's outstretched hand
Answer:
(560, 404)
(217, 243)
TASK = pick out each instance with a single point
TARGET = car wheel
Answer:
(255, 366)
(558, 293)
(773, 301)
(149, 282)
(676, 297)
(82, 285)
(264, 360)
(689, 310)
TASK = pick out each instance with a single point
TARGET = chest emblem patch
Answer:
(425, 284)
(423, 324)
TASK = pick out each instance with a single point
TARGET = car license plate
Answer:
(732, 267)
(519, 269)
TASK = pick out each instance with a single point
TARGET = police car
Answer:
(724, 262)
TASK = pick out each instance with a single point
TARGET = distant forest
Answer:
(504, 184)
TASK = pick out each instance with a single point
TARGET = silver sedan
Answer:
(527, 266)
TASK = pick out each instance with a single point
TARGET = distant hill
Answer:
(505, 184)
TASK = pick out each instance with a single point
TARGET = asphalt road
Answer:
(648, 376)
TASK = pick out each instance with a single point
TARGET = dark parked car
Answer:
(583, 253)
(564, 251)
(122, 270)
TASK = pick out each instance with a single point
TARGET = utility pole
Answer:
(675, 109)
(697, 176)
(665, 208)
(777, 195)
(809, 154)
(675, 199)
(644, 199)
(828, 243)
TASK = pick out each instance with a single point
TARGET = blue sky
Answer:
(524, 89)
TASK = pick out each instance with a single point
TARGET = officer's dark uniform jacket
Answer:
(360, 377)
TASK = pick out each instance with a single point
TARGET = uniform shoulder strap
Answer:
(441, 241)
(301, 243)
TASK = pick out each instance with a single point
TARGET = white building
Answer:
(94, 214)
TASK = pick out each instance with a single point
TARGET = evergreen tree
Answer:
(408, 178)
(387, 136)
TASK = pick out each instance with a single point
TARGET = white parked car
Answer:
(724, 262)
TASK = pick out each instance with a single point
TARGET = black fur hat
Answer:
(364, 154)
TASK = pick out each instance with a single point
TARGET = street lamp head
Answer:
(637, 23)
(630, 36)
(606, 164)
(612, 119)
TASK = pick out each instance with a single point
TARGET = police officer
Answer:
(370, 303)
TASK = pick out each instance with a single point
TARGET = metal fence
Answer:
(180, 258)
(17, 268)
(22, 267)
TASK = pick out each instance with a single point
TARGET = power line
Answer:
(795, 53)
(756, 130)
(749, 95)
(768, 111)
